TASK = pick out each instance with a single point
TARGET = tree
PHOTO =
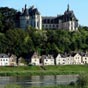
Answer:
(7, 18)
(82, 81)
(3, 45)
(19, 43)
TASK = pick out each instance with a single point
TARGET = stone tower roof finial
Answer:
(25, 6)
(68, 7)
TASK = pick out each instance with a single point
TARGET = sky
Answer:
(53, 7)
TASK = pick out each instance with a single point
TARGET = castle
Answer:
(32, 17)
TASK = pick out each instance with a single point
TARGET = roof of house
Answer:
(4, 55)
(47, 57)
(84, 54)
(35, 55)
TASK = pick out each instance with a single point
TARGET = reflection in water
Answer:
(38, 80)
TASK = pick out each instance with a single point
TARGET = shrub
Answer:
(82, 81)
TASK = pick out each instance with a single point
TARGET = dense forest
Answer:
(23, 42)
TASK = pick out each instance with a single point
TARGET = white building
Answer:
(69, 60)
(4, 60)
(85, 59)
(60, 60)
(35, 59)
(77, 58)
(67, 21)
(47, 60)
(30, 17)
(13, 60)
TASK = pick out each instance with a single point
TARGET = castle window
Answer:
(27, 22)
(46, 26)
(48, 21)
(52, 21)
(50, 26)
(45, 20)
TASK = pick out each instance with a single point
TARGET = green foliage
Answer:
(38, 70)
(58, 86)
(82, 81)
(7, 18)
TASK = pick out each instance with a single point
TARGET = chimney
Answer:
(25, 6)
(22, 10)
(68, 7)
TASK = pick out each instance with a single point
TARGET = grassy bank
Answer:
(62, 86)
(17, 86)
(46, 70)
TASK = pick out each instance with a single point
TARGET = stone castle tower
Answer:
(30, 17)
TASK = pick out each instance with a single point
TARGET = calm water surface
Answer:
(31, 81)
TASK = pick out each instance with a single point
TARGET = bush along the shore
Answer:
(82, 81)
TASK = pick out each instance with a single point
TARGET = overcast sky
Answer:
(53, 7)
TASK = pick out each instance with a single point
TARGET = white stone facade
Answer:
(4, 60)
(69, 60)
(77, 59)
(31, 17)
(48, 61)
(60, 60)
(35, 60)
(67, 21)
(85, 59)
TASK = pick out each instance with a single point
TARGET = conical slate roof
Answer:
(30, 12)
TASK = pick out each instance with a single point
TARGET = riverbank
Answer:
(45, 70)
(17, 86)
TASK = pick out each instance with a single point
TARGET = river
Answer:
(38, 81)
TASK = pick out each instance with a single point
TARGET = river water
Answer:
(38, 81)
